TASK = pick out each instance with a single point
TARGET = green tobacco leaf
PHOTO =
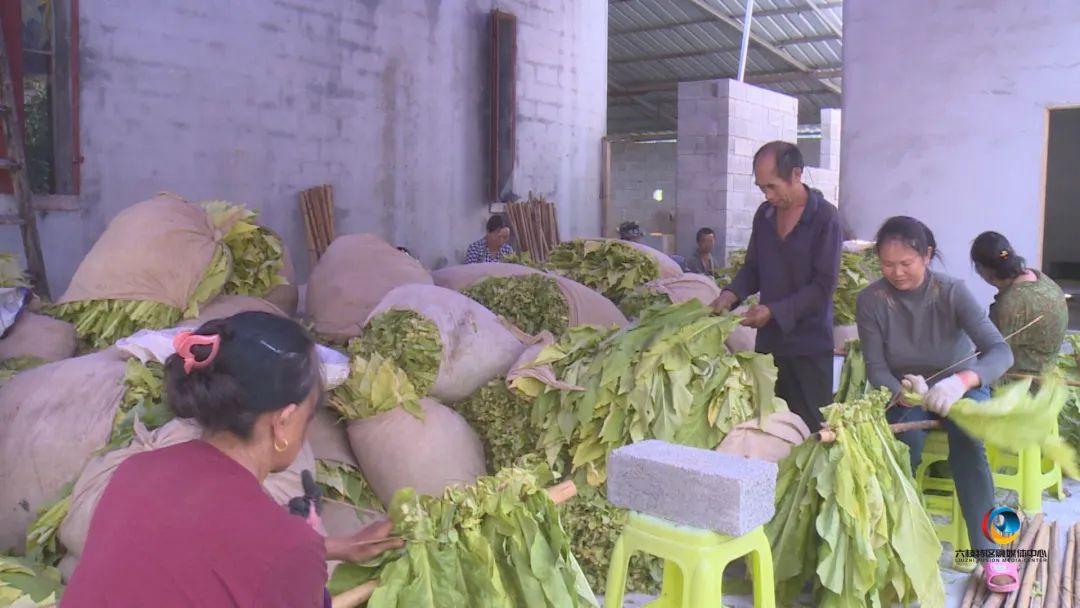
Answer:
(344, 482)
(503, 422)
(102, 322)
(532, 302)
(409, 340)
(610, 267)
(256, 253)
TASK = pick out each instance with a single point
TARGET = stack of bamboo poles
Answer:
(317, 209)
(535, 226)
(1050, 583)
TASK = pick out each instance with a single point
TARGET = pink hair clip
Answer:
(185, 340)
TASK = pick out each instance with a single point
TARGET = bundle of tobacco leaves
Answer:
(612, 268)
(532, 302)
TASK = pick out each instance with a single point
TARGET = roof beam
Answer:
(828, 19)
(783, 44)
(638, 88)
(758, 40)
(776, 12)
(684, 55)
(654, 109)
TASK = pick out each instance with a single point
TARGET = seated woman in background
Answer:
(915, 325)
(1023, 296)
(190, 524)
(494, 246)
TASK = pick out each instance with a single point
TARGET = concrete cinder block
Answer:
(694, 487)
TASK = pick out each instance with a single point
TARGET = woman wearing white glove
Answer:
(915, 323)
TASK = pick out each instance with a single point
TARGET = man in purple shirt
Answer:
(792, 260)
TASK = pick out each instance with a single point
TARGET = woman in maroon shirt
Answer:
(190, 525)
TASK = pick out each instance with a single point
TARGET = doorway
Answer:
(1061, 247)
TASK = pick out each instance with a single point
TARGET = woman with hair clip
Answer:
(1023, 296)
(919, 330)
(190, 524)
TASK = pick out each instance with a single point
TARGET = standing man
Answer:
(793, 260)
(702, 261)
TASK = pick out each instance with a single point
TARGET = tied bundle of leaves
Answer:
(532, 302)
(853, 379)
(857, 271)
(668, 376)
(409, 340)
(256, 253)
(10, 367)
(1014, 419)
(1069, 419)
(495, 543)
(501, 420)
(849, 517)
(345, 483)
(610, 267)
(11, 274)
(25, 584)
(375, 385)
(641, 298)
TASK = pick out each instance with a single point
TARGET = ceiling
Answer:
(795, 48)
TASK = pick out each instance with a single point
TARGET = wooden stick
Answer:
(355, 597)
(309, 228)
(828, 436)
(1031, 569)
(1031, 377)
(1053, 584)
(1037, 601)
(1075, 587)
(972, 588)
(1067, 570)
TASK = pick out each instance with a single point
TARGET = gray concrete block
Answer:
(693, 487)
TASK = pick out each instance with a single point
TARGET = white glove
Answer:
(944, 394)
(915, 384)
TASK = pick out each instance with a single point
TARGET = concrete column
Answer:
(722, 123)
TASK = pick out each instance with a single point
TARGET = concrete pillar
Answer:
(722, 123)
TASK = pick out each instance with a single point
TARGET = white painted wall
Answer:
(945, 116)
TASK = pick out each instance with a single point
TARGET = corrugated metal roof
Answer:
(655, 44)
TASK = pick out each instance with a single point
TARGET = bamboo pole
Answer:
(309, 227)
(1037, 601)
(1053, 584)
(972, 588)
(1031, 569)
(1067, 571)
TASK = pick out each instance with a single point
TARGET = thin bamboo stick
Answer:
(1031, 569)
(1053, 585)
(972, 588)
(1067, 571)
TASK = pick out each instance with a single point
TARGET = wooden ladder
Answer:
(15, 165)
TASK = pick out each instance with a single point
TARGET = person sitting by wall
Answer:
(494, 246)
(702, 262)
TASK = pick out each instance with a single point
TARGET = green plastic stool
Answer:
(939, 497)
(1027, 474)
(694, 562)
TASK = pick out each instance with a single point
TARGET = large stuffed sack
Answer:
(476, 346)
(38, 336)
(613, 268)
(669, 268)
(329, 439)
(770, 439)
(670, 291)
(287, 295)
(742, 339)
(52, 419)
(95, 479)
(350, 279)
(225, 306)
(396, 450)
(156, 262)
(466, 275)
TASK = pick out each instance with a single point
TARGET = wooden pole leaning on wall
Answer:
(317, 211)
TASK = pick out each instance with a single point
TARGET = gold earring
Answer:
(282, 448)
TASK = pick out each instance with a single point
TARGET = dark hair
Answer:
(992, 251)
(702, 233)
(628, 229)
(909, 231)
(264, 363)
(497, 222)
(787, 156)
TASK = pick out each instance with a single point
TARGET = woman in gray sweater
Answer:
(915, 324)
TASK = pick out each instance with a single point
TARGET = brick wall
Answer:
(637, 170)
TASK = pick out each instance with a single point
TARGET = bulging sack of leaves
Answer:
(533, 303)
(257, 253)
(669, 268)
(476, 347)
(156, 261)
(9, 368)
(52, 419)
(397, 449)
(674, 290)
(613, 268)
(500, 418)
(40, 337)
(770, 439)
(375, 385)
(225, 306)
(466, 275)
(95, 478)
(329, 439)
(350, 279)
(25, 584)
(742, 339)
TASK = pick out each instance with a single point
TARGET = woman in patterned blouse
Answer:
(493, 247)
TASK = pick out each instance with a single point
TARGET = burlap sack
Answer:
(771, 440)
(224, 306)
(466, 275)
(742, 339)
(157, 250)
(477, 346)
(52, 419)
(669, 268)
(95, 478)
(687, 287)
(285, 297)
(842, 335)
(356, 271)
(397, 450)
(528, 377)
(39, 336)
(329, 439)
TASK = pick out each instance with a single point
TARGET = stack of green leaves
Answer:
(532, 302)
(853, 379)
(849, 517)
(501, 420)
(257, 261)
(1014, 419)
(495, 543)
(10, 367)
(735, 260)
(857, 271)
(345, 483)
(641, 298)
(523, 258)
(612, 268)
(1069, 419)
(25, 584)
(375, 385)
(11, 274)
(144, 399)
